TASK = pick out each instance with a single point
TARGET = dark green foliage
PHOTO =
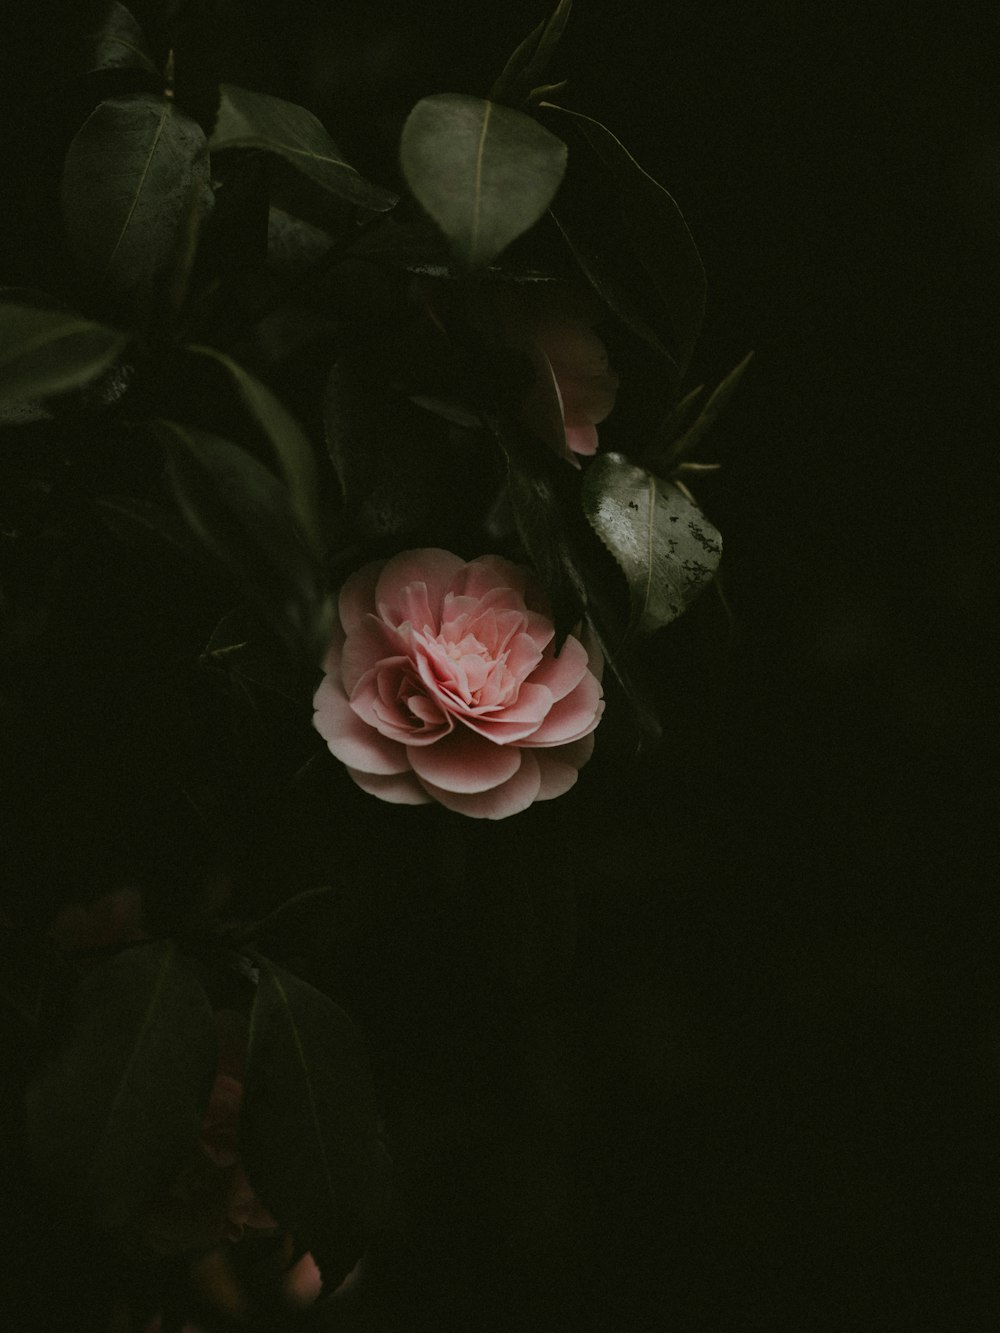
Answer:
(540, 490)
(117, 1109)
(118, 44)
(245, 519)
(255, 120)
(292, 451)
(135, 170)
(688, 437)
(665, 546)
(651, 229)
(484, 172)
(251, 371)
(518, 83)
(45, 351)
(308, 1130)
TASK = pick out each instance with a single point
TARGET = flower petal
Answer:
(582, 439)
(510, 798)
(506, 726)
(390, 701)
(331, 662)
(556, 776)
(428, 565)
(370, 642)
(357, 596)
(488, 574)
(561, 674)
(464, 762)
(560, 766)
(397, 788)
(588, 399)
(572, 346)
(572, 717)
(352, 740)
(576, 753)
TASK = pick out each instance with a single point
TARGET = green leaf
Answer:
(117, 1111)
(256, 120)
(294, 245)
(308, 1132)
(575, 570)
(119, 43)
(484, 172)
(527, 65)
(605, 273)
(243, 517)
(30, 969)
(406, 478)
(292, 450)
(128, 182)
(708, 415)
(133, 519)
(680, 415)
(664, 545)
(652, 225)
(46, 351)
(536, 483)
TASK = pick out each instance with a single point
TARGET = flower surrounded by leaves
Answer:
(251, 389)
(443, 684)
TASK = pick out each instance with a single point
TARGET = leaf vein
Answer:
(478, 182)
(50, 336)
(309, 1089)
(650, 523)
(165, 112)
(123, 1082)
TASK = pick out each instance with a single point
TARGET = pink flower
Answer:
(443, 685)
(574, 387)
(585, 385)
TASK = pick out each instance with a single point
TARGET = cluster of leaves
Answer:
(260, 366)
(115, 1110)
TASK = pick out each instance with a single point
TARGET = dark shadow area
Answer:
(711, 1042)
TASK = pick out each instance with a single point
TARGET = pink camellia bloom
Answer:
(574, 387)
(442, 684)
(585, 384)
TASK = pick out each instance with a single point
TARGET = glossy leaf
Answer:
(292, 450)
(484, 172)
(308, 1130)
(47, 350)
(243, 517)
(119, 43)
(527, 65)
(664, 545)
(653, 226)
(129, 179)
(256, 120)
(117, 1111)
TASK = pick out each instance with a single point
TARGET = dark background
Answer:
(711, 1043)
